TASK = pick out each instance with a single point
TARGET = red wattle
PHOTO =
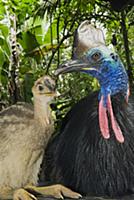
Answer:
(118, 133)
(103, 120)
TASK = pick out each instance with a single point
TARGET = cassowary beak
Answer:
(72, 66)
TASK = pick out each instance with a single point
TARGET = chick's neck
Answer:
(42, 110)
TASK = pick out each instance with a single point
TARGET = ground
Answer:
(129, 197)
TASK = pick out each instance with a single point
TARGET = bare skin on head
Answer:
(25, 131)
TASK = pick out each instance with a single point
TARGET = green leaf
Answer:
(2, 39)
(28, 41)
(4, 30)
(2, 58)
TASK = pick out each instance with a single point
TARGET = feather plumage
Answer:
(83, 156)
(80, 158)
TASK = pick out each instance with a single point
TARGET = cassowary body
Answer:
(94, 151)
(86, 162)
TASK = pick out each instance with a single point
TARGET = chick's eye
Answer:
(40, 87)
(96, 56)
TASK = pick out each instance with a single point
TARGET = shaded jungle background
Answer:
(37, 36)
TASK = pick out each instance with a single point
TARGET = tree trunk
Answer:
(14, 90)
(126, 46)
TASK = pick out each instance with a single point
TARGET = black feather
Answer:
(80, 158)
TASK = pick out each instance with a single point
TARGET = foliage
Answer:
(37, 36)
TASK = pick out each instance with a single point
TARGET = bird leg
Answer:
(15, 194)
(22, 194)
(57, 191)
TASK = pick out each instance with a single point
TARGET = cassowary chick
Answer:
(24, 133)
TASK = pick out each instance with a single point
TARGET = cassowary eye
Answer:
(96, 56)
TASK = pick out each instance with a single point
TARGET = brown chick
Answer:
(24, 133)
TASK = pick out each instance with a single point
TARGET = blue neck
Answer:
(113, 81)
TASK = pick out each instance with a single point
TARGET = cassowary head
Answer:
(92, 56)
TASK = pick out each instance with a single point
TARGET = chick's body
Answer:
(22, 146)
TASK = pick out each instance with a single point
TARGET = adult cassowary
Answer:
(94, 151)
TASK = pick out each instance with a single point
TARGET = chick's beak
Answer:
(71, 66)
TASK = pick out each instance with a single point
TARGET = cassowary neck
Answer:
(113, 82)
(42, 111)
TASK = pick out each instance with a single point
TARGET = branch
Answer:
(61, 41)
(55, 50)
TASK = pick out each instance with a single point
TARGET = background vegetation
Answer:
(37, 36)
